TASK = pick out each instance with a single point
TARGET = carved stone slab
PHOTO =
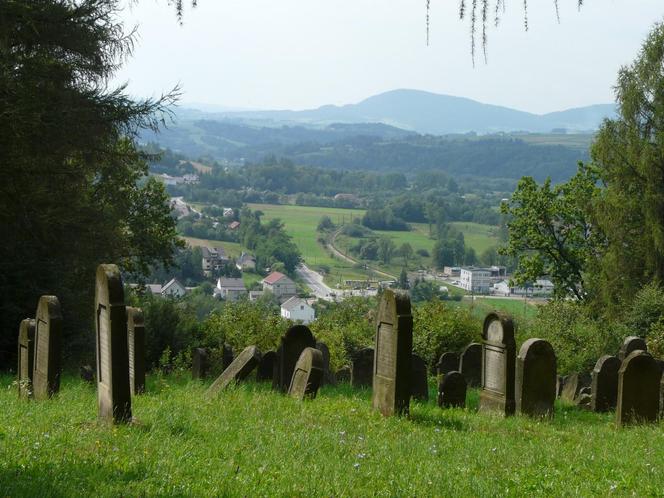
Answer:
(136, 346)
(536, 378)
(632, 343)
(452, 390)
(419, 385)
(48, 343)
(498, 364)
(266, 367)
(241, 367)
(113, 389)
(448, 362)
(392, 358)
(308, 374)
(471, 364)
(638, 389)
(361, 370)
(199, 363)
(574, 382)
(605, 384)
(292, 344)
(26, 357)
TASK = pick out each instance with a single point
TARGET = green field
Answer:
(479, 237)
(233, 249)
(250, 441)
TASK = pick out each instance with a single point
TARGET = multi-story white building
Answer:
(476, 280)
(297, 309)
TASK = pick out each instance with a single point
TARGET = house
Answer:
(234, 225)
(279, 285)
(245, 262)
(255, 294)
(451, 271)
(541, 287)
(228, 213)
(213, 258)
(174, 288)
(155, 289)
(230, 289)
(297, 309)
(476, 280)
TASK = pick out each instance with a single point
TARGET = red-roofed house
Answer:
(279, 285)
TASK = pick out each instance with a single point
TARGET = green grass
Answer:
(514, 307)
(250, 441)
(479, 237)
(233, 249)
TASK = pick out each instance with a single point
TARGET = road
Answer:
(315, 282)
(340, 255)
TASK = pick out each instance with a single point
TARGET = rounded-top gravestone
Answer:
(605, 384)
(293, 342)
(632, 343)
(638, 389)
(48, 343)
(452, 390)
(470, 364)
(307, 375)
(498, 364)
(448, 362)
(536, 378)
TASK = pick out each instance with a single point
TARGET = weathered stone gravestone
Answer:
(498, 363)
(136, 346)
(392, 358)
(638, 389)
(227, 357)
(48, 337)
(536, 378)
(241, 367)
(199, 363)
(265, 369)
(574, 382)
(605, 384)
(448, 362)
(26, 357)
(362, 364)
(328, 376)
(113, 389)
(471, 364)
(308, 374)
(419, 385)
(452, 390)
(343, 374)
(632, 343)
(293, 343)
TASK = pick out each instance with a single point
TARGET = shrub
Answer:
(422, 252)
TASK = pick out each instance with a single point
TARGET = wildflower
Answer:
(356, 465)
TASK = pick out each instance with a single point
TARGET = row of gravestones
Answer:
(120, 348)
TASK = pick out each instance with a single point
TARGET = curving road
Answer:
(314, 281)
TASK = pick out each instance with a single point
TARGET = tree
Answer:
(386, 249)
(406, 252)
(325, 224)
(403, 279)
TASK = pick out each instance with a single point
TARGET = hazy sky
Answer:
(296, 54)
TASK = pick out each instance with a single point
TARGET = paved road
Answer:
(339, 254)
(315, 282)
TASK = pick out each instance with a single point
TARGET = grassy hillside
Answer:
(233, 249)
(479, 237)
(252, 442)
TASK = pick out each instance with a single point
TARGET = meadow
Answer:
(250, 441)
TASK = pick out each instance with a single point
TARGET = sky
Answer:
(301, 54)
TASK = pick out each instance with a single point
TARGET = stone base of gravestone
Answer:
(308, 374)
(452, 390)
(238, 370)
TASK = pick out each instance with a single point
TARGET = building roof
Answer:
(274, 277)
(171, 283)
(231, 284)
(294, 302)
(154, 288)
(234, 225)
(245, 257)
(213, 252)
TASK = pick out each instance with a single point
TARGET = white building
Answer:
(174, 288)
(541, 287)
(476, 280)
(230, 289)
(279, 285)
(297, 309)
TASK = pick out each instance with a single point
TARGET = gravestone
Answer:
(343, 374)
(638, 389)
(308, 374)
(498, 364)
(447, 362)
(48, 337)
(292, 344)
(26, 357)
(199, 363)
(632, 343)
(536, 378)
(419, 385)
(227, 356)
(560, 382)
(113, 389)
(265, 369)
(241, 367)
(328, 376)
(471, 364)
(136, 345)
(574, 382)
(452, 390)
(362, 364)
(605, 384)
(392, 358)
(87, 374)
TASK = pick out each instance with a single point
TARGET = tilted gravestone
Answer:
(227, 356)
(392, 358)
(328, 376)
(292, 344)
(605, 384)
(136, 345)
(113, 389)
(241, 367)
(448, 362)
(470, 364)
(26, 357)
(638, 389)
(362, 364)
(536, 378)
(48, 343)
(631, 343)
(574, 382)
(199, 363)
(419, 384)
(452, 390)
(308, 374)
(498, 364)
(343, 374)
(265, 369)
